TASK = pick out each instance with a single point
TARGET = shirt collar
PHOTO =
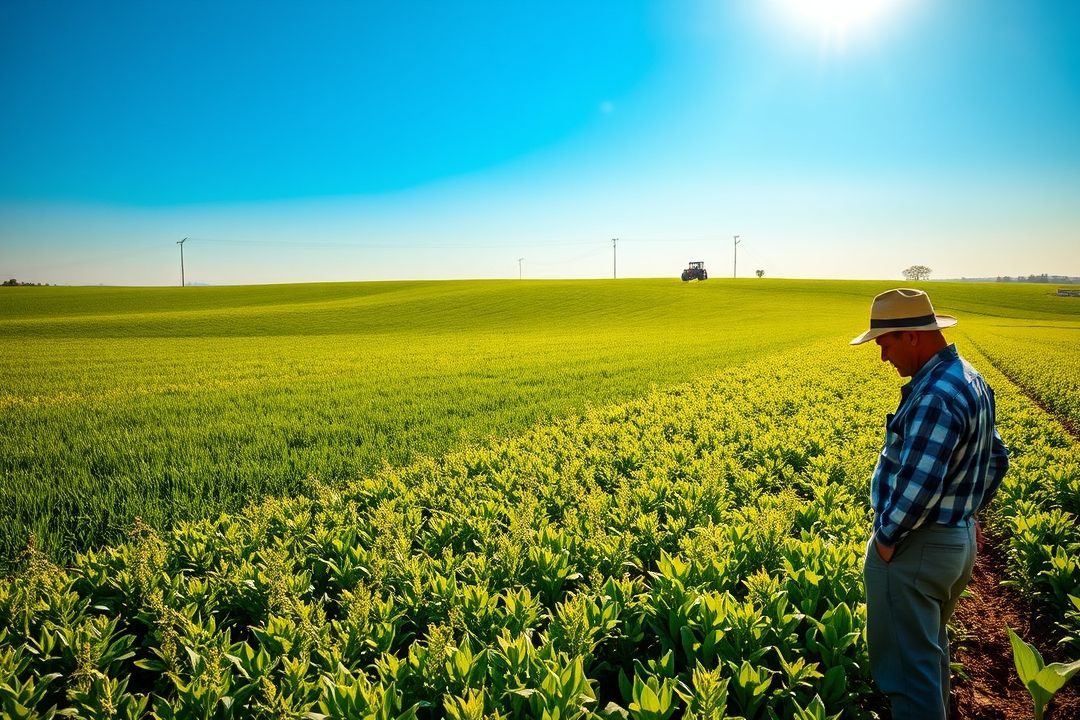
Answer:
(946, 354)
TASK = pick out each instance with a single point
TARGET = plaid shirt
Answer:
(943, 459)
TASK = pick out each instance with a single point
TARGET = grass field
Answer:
(179, 403)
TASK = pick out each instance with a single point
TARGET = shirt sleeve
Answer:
(996, 469)
(931, 434)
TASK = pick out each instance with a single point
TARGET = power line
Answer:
(708, 241)
(438, 246)
(595, 246)
(575, 258)
(383, 246)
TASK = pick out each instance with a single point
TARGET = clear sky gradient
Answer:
(296, 142)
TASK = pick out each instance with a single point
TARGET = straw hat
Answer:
(902, 309)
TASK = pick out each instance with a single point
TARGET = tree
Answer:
(760, 273)
(917, 272)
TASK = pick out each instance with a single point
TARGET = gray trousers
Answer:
(908, 602)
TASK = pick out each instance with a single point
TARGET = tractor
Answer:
(696, 271)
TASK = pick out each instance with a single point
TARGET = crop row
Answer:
(1037, 512)
(697, 551)
(1041, 359)
(96, 430)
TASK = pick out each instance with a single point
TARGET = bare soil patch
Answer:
(992, 689)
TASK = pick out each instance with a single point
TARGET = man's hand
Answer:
(980, 539)
(885, 553)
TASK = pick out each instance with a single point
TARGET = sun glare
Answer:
(835, 21)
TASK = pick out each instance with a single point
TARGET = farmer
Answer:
(941, 464)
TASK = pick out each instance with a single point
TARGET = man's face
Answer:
(898, 348)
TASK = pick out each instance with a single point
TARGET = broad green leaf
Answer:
(1052, 677)
(1028, 660)
(614, 710)
(647, 699)
(524, 692)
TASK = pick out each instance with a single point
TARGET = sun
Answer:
(835, 20)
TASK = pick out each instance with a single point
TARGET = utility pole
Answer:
(181, 244)
(735, 263)
(614, 274)
(520, 260)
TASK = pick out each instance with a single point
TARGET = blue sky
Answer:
(356, 141)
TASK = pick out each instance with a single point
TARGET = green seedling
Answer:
(1041, 680)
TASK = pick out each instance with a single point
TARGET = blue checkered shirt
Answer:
(943, 458)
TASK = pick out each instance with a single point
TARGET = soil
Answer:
(991, 689)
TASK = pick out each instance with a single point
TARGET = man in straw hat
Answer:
(941, 464)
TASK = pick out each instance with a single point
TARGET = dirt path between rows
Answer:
(992, 689)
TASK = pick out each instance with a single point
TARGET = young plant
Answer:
(1041, 680)
(653, 699)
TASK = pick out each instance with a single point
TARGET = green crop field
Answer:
(481, 499)
(179, 403)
